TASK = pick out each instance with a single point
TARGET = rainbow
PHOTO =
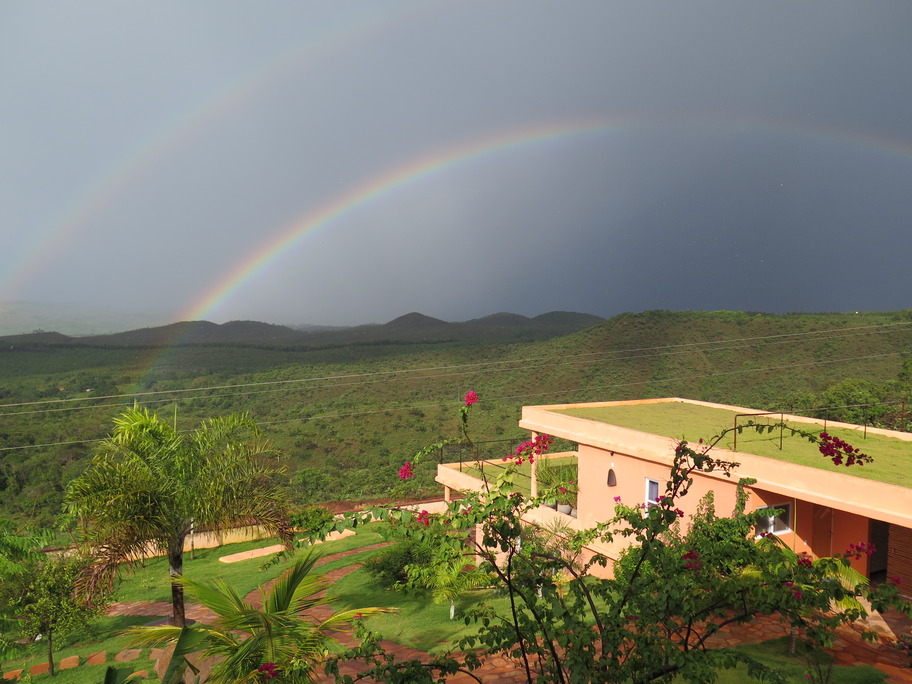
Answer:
(375, 189)
(287, 238)
(399, 177)
(52, 236)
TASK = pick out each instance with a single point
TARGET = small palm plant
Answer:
(450, 578)
(250, 644)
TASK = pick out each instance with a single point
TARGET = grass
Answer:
(417, 622)
(892, 457)
(102, 634)
(424, 625)
(151, 583)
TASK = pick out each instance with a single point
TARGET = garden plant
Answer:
(671, 590)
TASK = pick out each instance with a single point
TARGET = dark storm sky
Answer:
(455, 158)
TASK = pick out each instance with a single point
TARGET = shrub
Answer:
(311, 518)
(388, 567)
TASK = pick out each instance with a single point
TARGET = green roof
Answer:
(892, 457)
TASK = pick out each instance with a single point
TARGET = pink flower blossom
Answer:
(405, 472)
(693, 560)
(841, 452)
(470, 398)
(617, 499)
(425, 518)
(795, 591)
(268, 670)
(860, 549)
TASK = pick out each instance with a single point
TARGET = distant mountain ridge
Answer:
(412, 328)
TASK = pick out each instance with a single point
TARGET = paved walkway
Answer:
(849, 648)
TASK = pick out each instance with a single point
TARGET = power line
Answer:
(519, 363)
(523, 395)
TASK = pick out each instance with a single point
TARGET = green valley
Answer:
(349, 407)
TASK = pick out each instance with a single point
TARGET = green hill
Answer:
(348, 407)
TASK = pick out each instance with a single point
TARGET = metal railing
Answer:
(825, 411)
(486, 456)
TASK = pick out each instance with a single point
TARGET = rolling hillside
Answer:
(348, 414)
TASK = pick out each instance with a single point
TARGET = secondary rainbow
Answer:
(192, 120)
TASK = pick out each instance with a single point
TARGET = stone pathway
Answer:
(849, 648)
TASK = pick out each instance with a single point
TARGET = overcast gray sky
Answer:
(349, 162)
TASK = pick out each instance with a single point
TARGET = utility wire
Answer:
(519, 363)
(503, 397)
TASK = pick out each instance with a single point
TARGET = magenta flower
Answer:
(405, 472)
(841, 452)
(617, 499)
(470, 398)
(268, 670)
(425, 518)
(860, 549)
(693, 560)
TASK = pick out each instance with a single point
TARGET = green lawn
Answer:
(417, 621)
(102, 634)
(892, 457)
(150, 583)
(422, 624)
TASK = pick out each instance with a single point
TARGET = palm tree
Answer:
(149, 484)
(450, 578)
(249, 643)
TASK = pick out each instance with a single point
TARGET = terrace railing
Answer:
(824, 413)
(486, 456)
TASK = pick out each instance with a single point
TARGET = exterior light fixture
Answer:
(612, 478)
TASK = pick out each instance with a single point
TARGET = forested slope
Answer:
(347, 415)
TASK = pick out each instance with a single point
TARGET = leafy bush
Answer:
(311, 518)
(389, 566)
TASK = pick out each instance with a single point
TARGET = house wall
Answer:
(799, 538)
(817, 530)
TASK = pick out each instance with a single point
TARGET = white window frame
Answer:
(775, 519)
(658, 492)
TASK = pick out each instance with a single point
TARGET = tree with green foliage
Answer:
(19, 554)
(50, 605)
(283, 640)
(670, 591)
(150, 485)
(449, 578)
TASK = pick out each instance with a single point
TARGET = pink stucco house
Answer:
(625, 450)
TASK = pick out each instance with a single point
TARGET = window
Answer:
(778, 519)
(652, 492)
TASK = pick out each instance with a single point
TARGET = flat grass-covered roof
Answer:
(892, 457)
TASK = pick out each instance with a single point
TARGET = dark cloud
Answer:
(752, 156)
